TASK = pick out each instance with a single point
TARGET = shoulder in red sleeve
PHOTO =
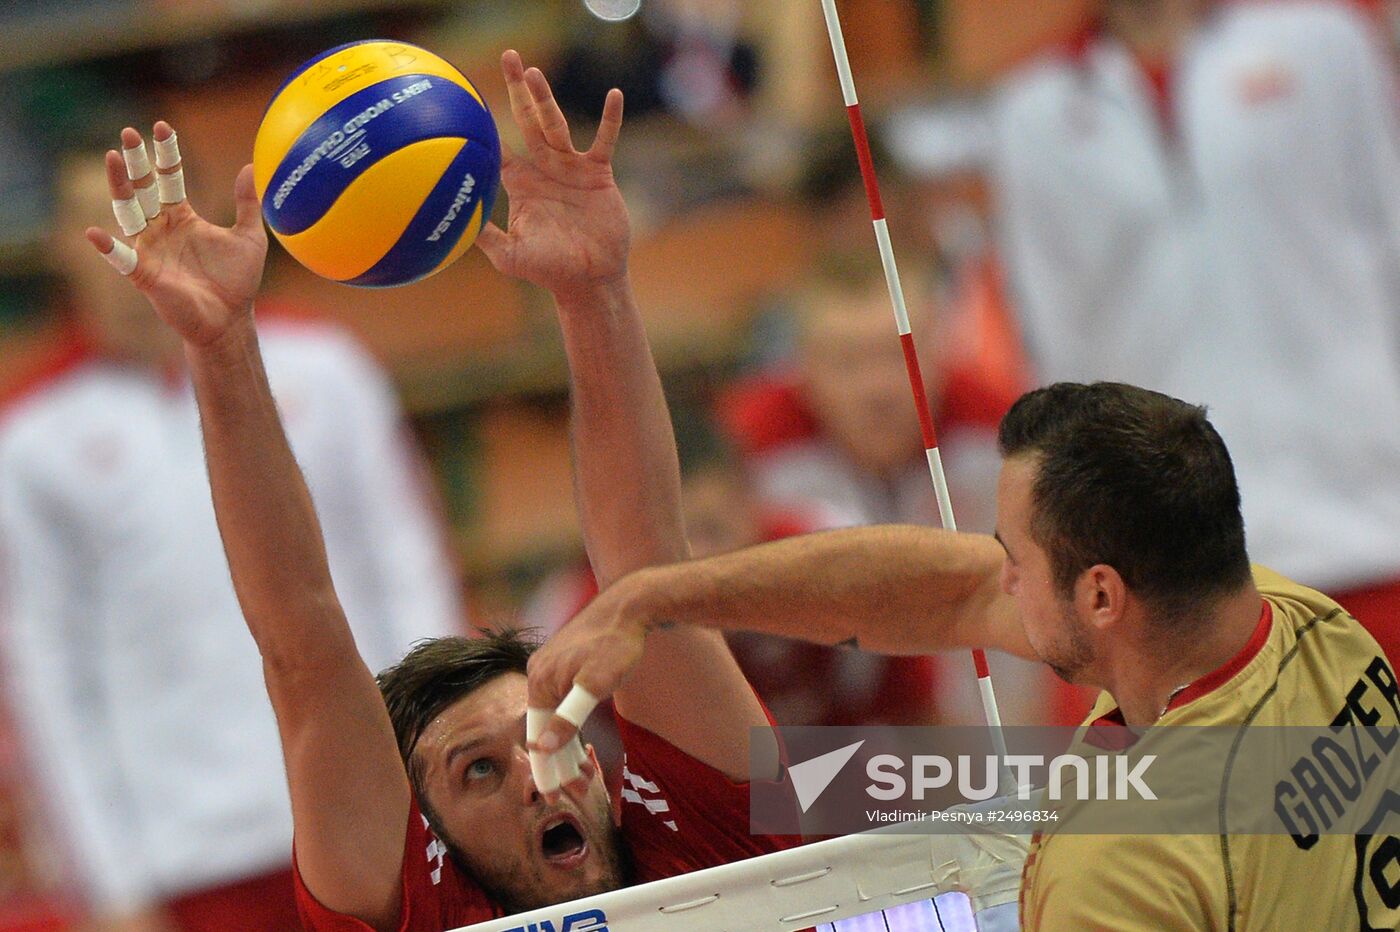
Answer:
(680, 815)
(436, 895)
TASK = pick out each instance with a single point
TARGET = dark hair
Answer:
(1136, 480)
(436, 673)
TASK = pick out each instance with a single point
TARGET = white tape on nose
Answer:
(130, 216)
(121, 256)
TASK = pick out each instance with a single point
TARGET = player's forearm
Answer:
(626, 475)
(349, 792)
(628, 488)
(888, 588)
(269, 528)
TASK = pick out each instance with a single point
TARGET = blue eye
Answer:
(480, 768)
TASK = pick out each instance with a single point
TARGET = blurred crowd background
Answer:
(754, 262)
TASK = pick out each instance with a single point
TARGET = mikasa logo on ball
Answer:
(464, 194)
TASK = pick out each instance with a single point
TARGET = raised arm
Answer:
(569, 233)
(349, 791)
(894, 589)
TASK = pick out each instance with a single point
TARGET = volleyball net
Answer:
(879, 881)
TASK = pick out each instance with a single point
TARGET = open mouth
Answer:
(562, 842)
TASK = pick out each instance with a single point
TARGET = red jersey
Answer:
(678, 815)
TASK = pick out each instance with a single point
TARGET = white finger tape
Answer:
(566, 765)
(121, 256)
(545, 771)
(171, 186)
(577, 706)
(130, 217)
(167, 151)
(149, 201)
(535, 720)
(138, 163)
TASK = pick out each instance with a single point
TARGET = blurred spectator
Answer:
(138, 693)
(1204, 198)
(943, 148)
(803, 684)
(835, 434)
(835, 438)
(687, 58)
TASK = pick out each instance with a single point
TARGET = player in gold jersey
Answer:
(1303, 665)
(1120, 561)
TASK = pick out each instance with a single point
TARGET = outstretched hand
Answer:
(568, 230)
(199, 277)
(580, 665)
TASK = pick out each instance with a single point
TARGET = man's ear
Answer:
(597, 769)
(1101, 596)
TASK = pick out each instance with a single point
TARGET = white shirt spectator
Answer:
(1244, 253)
(138, 690)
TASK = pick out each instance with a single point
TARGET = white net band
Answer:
(814, 885)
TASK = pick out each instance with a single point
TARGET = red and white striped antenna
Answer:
(906, 339)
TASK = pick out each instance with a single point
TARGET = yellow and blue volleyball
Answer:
(376, 163)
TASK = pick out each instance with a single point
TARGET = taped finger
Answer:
(545, 771)
(566, 765)
(130, 215)
(138, 163)
(121, 257)
(170, 171)
(577, 706)
(171, 186)
(149, 199)
(138, 169)
(535, 720)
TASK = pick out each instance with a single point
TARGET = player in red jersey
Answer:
(415, 808)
